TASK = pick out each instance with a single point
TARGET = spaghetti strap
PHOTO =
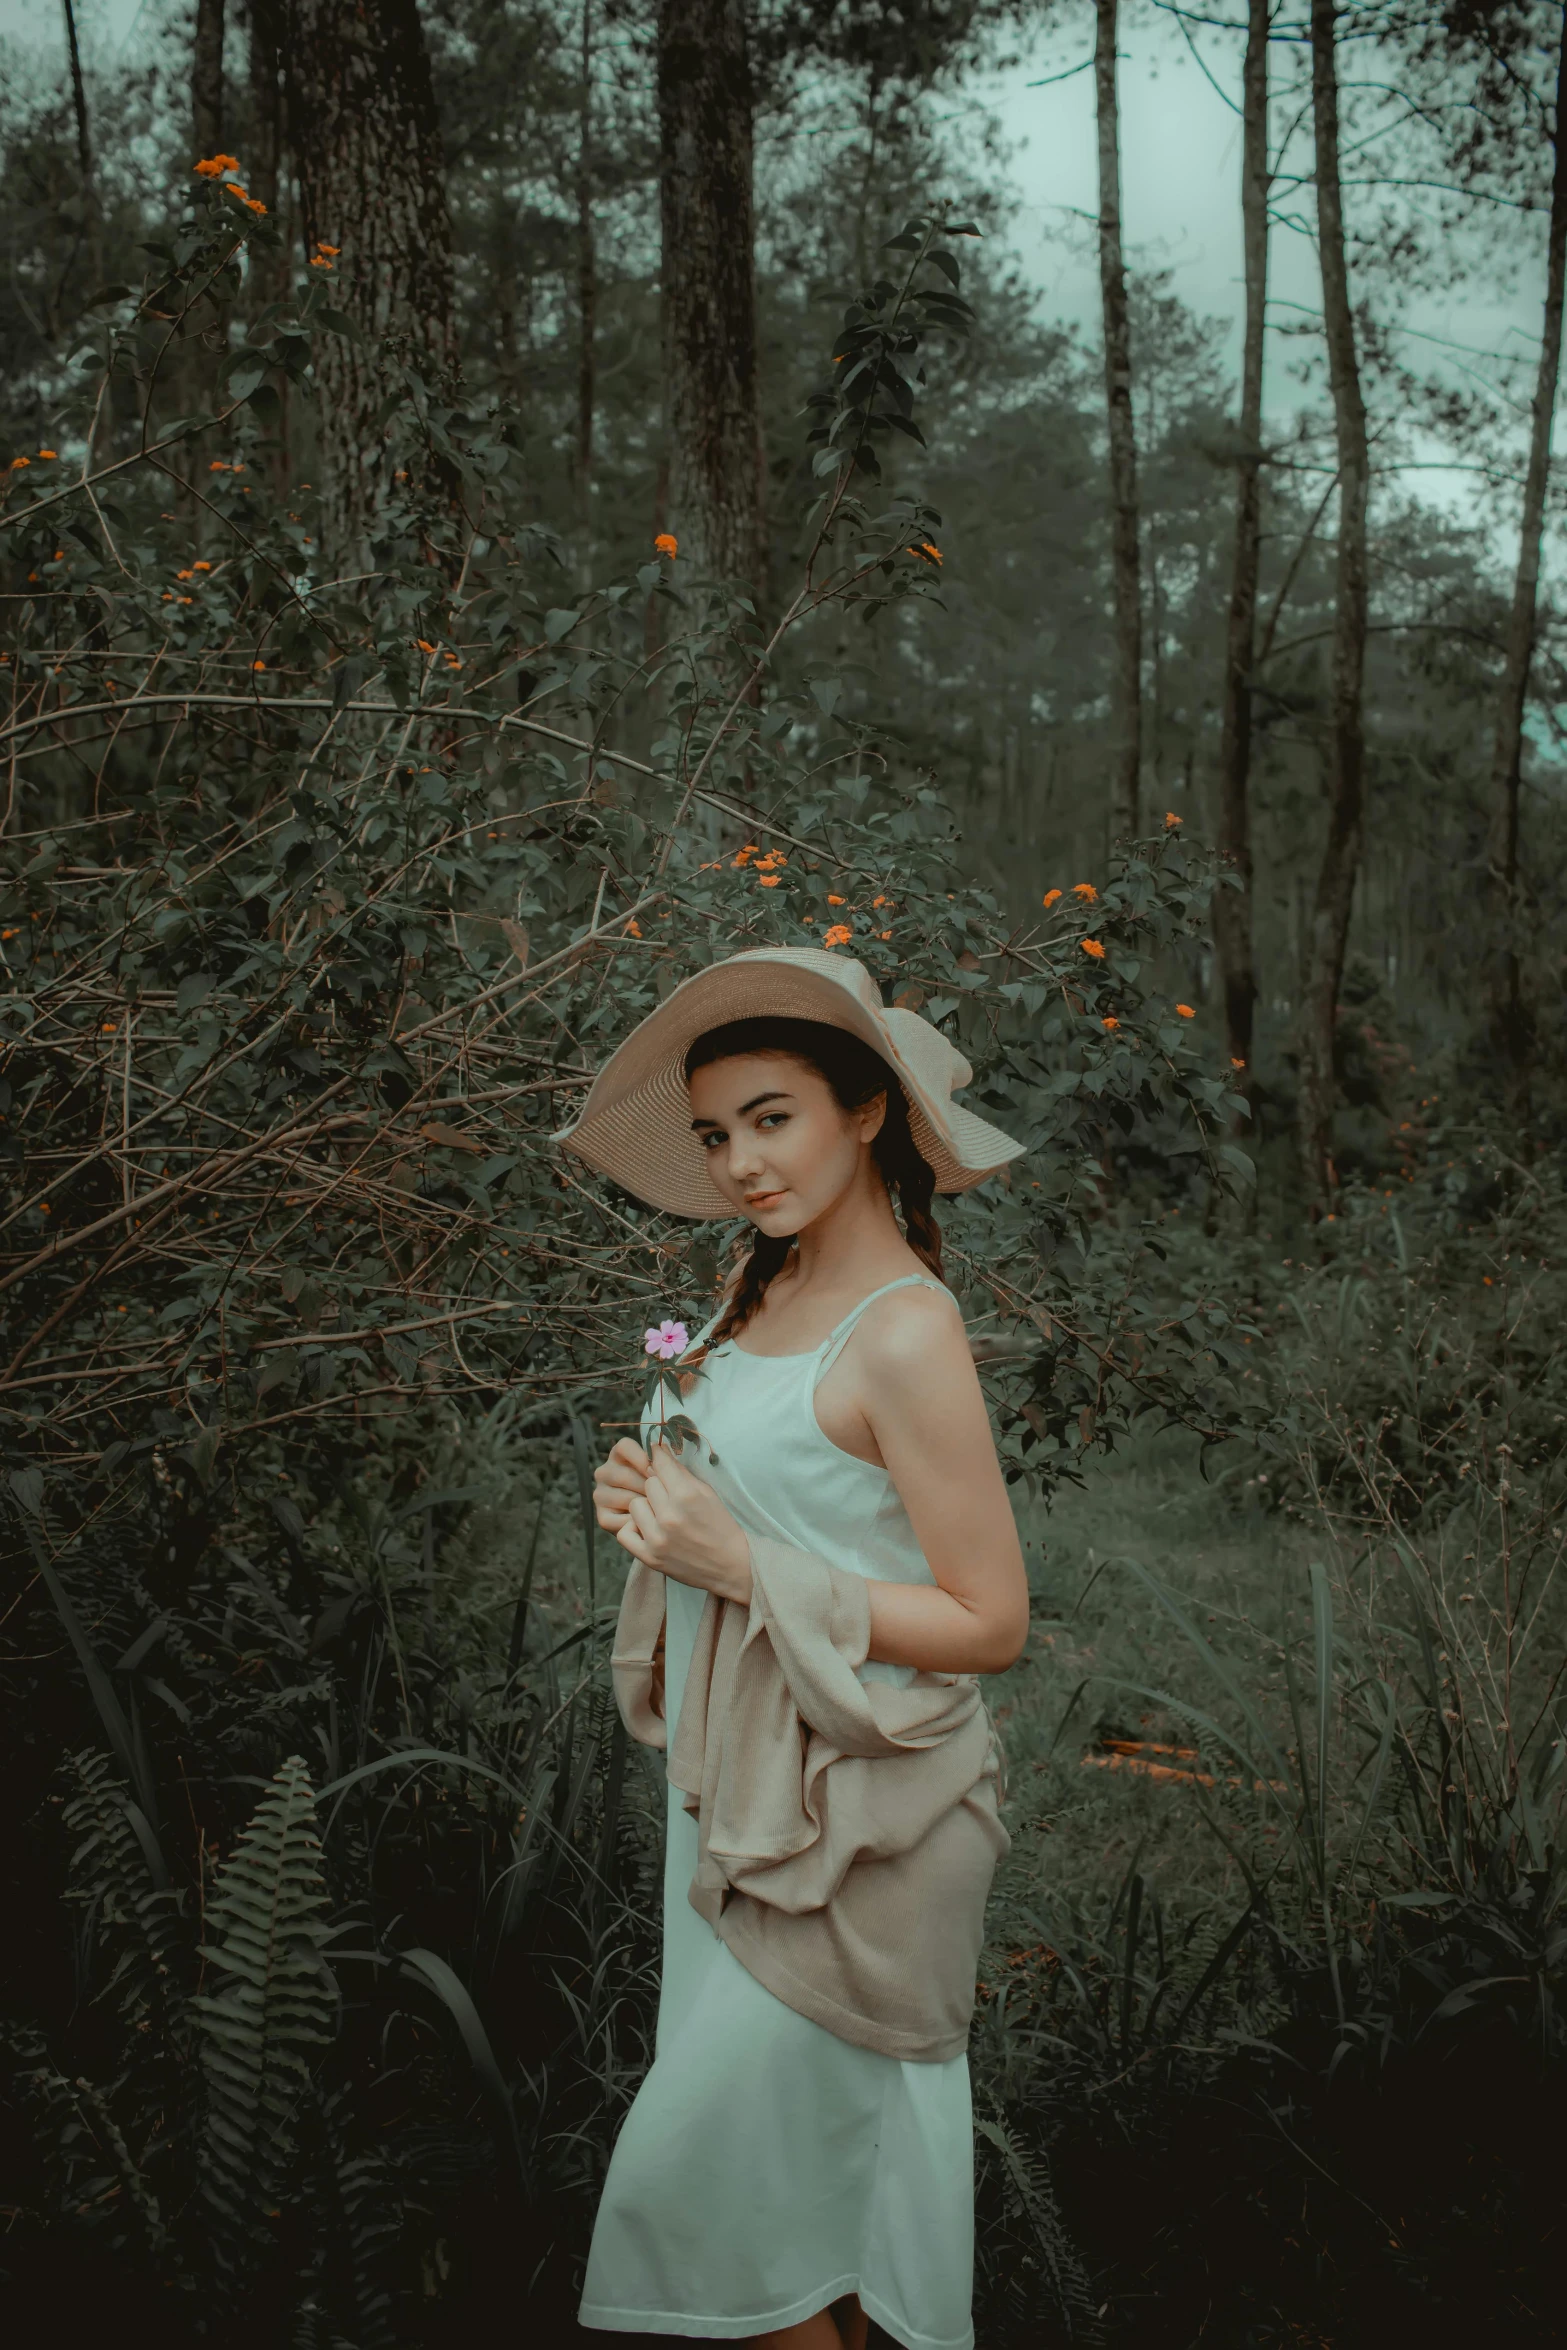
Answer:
(833, 1346)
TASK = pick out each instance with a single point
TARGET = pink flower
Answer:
(667, 1341)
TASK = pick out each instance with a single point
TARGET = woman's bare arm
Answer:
(916, 1386)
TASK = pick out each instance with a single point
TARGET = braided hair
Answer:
(856, 1075)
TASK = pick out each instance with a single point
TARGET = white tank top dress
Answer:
(767, 2167)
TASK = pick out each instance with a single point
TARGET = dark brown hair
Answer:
(856, 1075)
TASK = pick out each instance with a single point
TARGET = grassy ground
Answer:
(1083, 1813)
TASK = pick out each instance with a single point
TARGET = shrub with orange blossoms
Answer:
(838, 936)
(212, 167)
(1092, 946)
(1052, 898)
(1086, 891)
(666, 543)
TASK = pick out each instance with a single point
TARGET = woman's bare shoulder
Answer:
(912, 1325)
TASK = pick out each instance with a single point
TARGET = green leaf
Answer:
(267, 2012)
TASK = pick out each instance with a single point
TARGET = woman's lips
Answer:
(762, 1199)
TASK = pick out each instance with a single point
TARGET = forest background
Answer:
(501, 502)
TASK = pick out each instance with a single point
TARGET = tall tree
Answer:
(717, 506)
(1344, 732)
(1509, 1023)
(206, 78)
(1126, 717)
(587, 299)
(367, 154)
(1232, 907)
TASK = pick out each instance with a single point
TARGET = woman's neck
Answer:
(851, 1243)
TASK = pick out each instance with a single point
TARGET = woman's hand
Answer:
(674, 1523)
(616, 1481)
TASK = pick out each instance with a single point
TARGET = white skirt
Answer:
(767, 2167)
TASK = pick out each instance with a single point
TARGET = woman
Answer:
(815, 1583)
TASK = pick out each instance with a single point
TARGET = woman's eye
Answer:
(710, 1141)
(773, 1118)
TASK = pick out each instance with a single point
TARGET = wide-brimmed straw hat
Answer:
(636, 1123)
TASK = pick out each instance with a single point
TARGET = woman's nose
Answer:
(745, 1157)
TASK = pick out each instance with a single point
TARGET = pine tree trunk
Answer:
(1344, 764)
(206, 78)
(261, 154)
(1232, 907)
(717, 504)
(1509, 1020)
(587, 305)
(366, 149)
(1126, 686)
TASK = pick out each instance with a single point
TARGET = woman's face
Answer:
(778, 1145)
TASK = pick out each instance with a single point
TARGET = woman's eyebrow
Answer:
(744, 1110)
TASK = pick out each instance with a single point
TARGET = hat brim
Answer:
(635, 1126)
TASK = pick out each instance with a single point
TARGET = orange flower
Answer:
(1092, 946)
(768, 880)
(1186, 1012)
(927, 551)
(881, 901)
(319, 261)
(884, 934)
(1051, 898)
(258, 664)
(424, 644)
(1172, 822)
(1110, 1022)
(212, 167)
(666, 543)
(18, 462)
(201, 566)
(633, 929)
(323, 247)
(832, 900)
(1086, 891)
(47, 454)
(255, 205)
(184, 575)
(838, 936)
(217, 466)
(1234, 1064)
(233, 188)
(807, 917)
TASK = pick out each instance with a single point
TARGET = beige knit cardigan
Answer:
(847, 1831)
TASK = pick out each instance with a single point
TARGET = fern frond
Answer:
(272, 2007)
(1026, 2173)
(113, 1877)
